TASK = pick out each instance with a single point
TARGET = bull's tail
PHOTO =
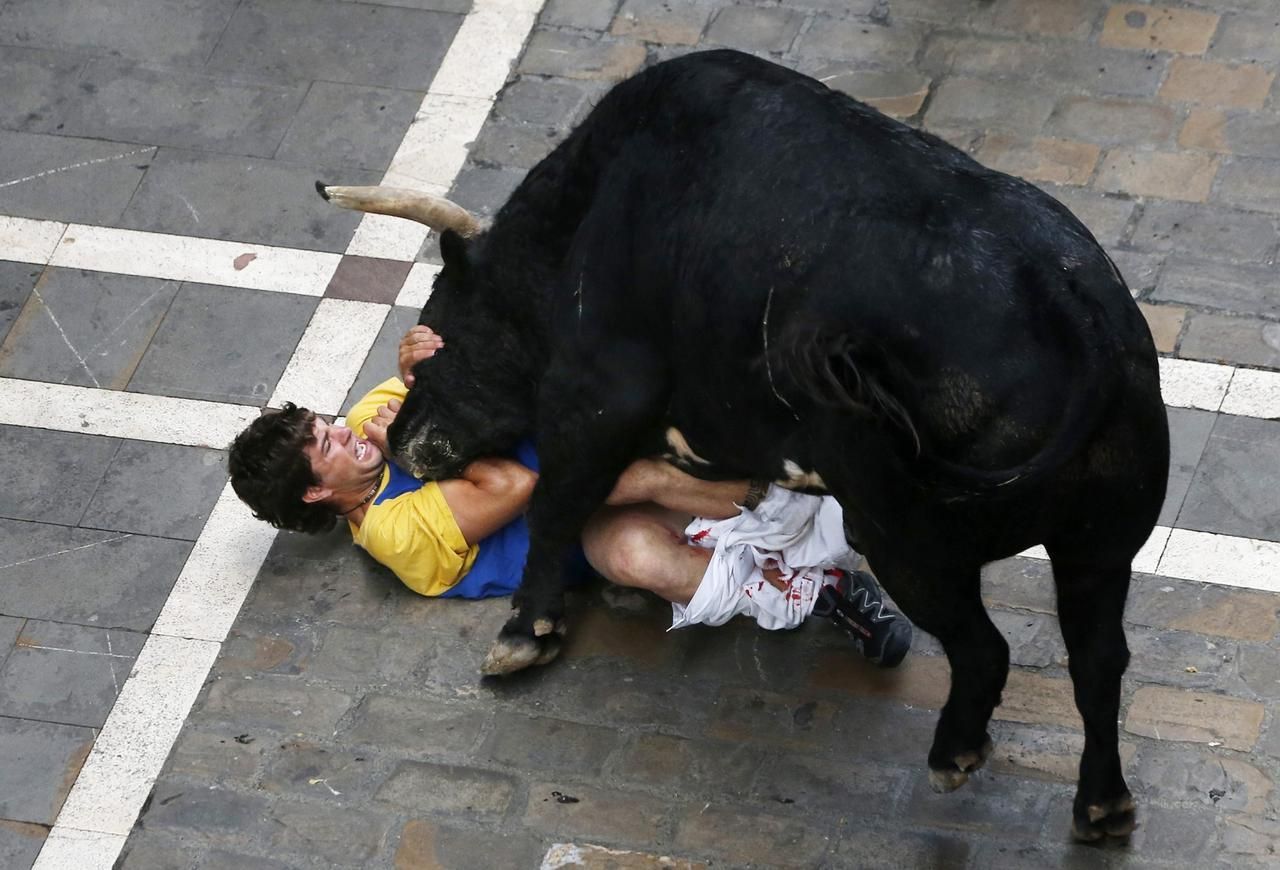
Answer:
(435, 211)
(839, 373)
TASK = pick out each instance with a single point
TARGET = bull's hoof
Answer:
(515, 652)
(943, 780)
(1113, 818)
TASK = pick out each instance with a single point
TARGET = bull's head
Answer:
(472, 398)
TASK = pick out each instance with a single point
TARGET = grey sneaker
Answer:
(855, 604)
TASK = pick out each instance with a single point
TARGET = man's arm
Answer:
(653, 480)
(490, 494)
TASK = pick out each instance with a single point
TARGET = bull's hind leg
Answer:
(1090, 611)
(947, 603)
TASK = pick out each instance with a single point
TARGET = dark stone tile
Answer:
(1233, 491)
(558, 103)
(67, 673)
(368, 279)
(20, 842)
(1188, 433)
(203, 815)
(10, 626)
(1105, 216)
(459, 6)
(175, 32)
(16, 281)
(1232, 340)
(158, 489)
(42, 760)
(57, 476)
(61, 178)
(343, 125)
(483, 191)
(288, 40)
(85, 328)
(1222, 286)
(241, 199)
(45, 566)
(191, 355)
(1206, 231)
(37, 80)
(381, 363)
(161, 106)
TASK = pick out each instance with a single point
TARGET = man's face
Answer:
(339, 458)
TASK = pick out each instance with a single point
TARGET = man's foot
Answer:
(855, 604)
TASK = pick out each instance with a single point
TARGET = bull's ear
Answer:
(453, 248)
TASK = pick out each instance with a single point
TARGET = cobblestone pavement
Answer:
(342, 723)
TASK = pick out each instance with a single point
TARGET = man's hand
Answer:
(418, 344)
(376, 429)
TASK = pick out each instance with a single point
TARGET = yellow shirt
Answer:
(413, 533)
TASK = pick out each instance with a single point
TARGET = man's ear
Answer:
(453, 249)
(316, 493)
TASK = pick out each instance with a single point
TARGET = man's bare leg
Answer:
(643, 546)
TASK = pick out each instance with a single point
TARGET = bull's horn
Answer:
(435, 211)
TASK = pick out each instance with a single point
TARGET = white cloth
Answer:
(800, 535)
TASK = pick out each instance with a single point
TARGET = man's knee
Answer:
(629, 552)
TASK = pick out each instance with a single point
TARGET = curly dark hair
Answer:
(271, 473)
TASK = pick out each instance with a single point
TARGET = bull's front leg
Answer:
(592, 422)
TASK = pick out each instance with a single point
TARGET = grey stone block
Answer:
(414, 725)
(16, 281)
(809, 785)
(204, 815)
(582, 14)
(1207, 232)
(154, 850)
(1034, 639)
(1011, 106)
(42, 577)
(513, 145)
(1188, 434)
(892, 849)
(338, 837)
(37, 81)
(9, 628)
(1086, 68)
(20, 842)
(448, 790)
(1233, 340)
(343, 125)
(127, 499)
(42, 760)
(1228, 288)
(371, 656)
(284, 703)
(322, 577)
(1244, 38)
(241, 199)
(865, 8)
(321, 774)
(171, 32)
(559, 103)
(1260, 670)
(572, 56)
(1181, 834)
(61, 178)
(547, 744)
(1106, 216)
(1141, 272)
(1026, 584)
(1111, 122)
(697, 768)
(1233, 491)
(1164, 656)
(483, 191)
(85, 328)
(183, 361)
(225, 756)
(988, 804)
(1249, 182)
(57, 477)
(383, 360)
(66, 673)
(291, 40)
(857, 42)
(755, 28)
(459, 6)
(125, 101)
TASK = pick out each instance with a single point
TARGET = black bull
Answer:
(808, 291)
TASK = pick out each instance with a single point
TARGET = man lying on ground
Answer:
(714, 549)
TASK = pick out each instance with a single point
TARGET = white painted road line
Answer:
(330, 354)
(115, 414)
(1253, 393)
(1144, 562)
(1186, 383)
(417, 286)
(137, 736)
(185, 258)
(24, 240)
(218, 574)
(1222, 559)
(71, 849)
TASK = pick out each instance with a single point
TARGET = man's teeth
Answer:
(360, 450)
